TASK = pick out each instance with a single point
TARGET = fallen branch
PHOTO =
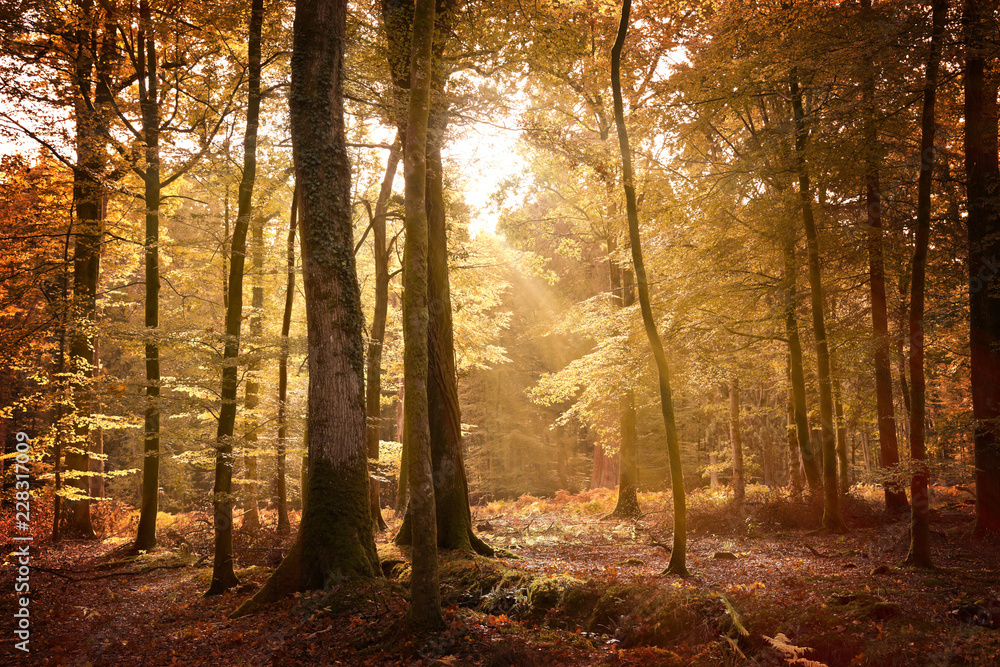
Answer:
(111, 574)
(814, 552)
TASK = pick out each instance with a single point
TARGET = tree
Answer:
(920, 531)
(284, 527)
(832, 519)
(95, 51)
(425, 594)
(454, 516)
(627, 505)
(678, 554)
(223, 575)
(736, 439)
(373, 377)
(335, 538)
(983, 192)
(144, 52)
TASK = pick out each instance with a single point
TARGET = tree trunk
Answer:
(97, 448)
(627, 506)
(373, 384)
(794, 478)
(335, 538)
(454, 516)
(983, 191)
(88, 195)
(832, 519)
(895, 497)
(150, 108)
(251, 515)
(797, 376)
(678, 555)
(843, 470)
(736, 440)
(284, 526)
(223, 573)
(425, 594)
(920, 531)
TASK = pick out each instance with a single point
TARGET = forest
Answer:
(500, 332)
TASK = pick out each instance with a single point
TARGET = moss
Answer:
(336, 532)
(544, 593)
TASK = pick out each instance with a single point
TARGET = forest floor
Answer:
(571, 587)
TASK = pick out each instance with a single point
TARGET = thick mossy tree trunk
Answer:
(895, 497)
(284, 526)
(223, 574)
(678, 554)
(335, 539)
(983, 191)
(627, 505)
(832, 519)
(736, 440)
(376, 341)
(425, 593)
(920, 510)
(796, 370)
(150, 108)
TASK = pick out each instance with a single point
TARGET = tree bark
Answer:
(736, 440)
(983, 192)
(797, 376)
(251, 516)
(425, 594)
(832, 519)
(91, 100)
(373, 384)
(677, 564)
(150, 108)
(920, 544)
(223, 573)
(794, 478)
(627, 505)
(284, 526)
(454, 516)
(895, 497)
(335, 538)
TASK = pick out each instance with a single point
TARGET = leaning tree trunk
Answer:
(150, 108)
(373, 385)
(736, 440)
(678, 554)
(796, 370)
(983, 191)
(335, 538)
(223, 574)
(920, 530)
(832, 520)
(284, 526)
(895, 497)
